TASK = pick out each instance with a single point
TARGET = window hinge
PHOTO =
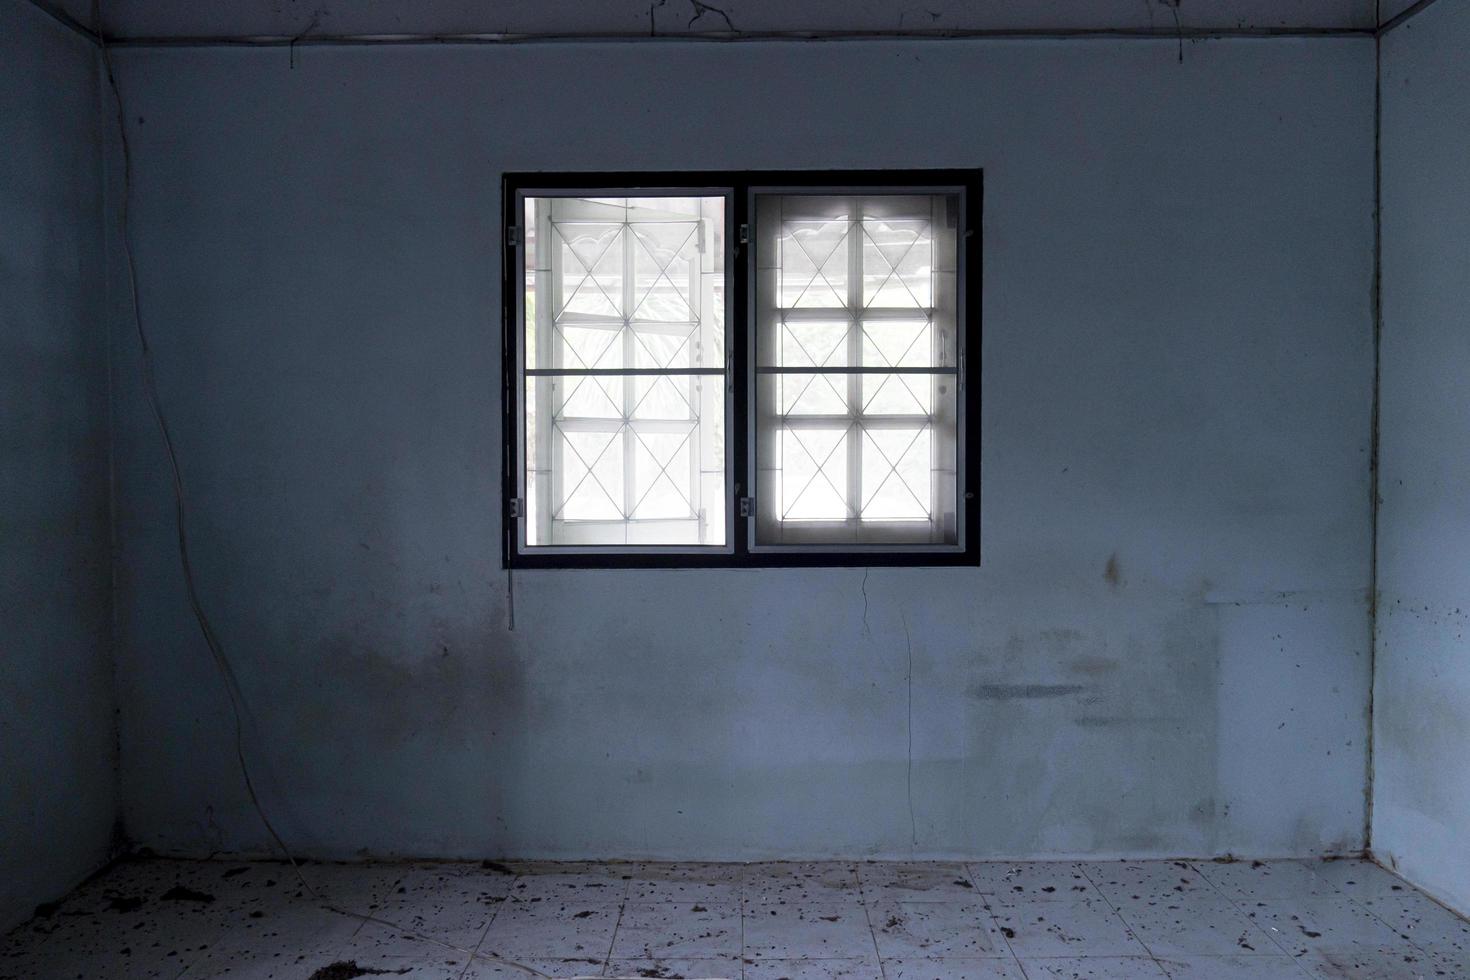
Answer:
(747, 504)
(513, 237)
(517, 505)
(745, 234)
(961, 384)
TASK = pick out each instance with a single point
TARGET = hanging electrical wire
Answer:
(191, 590)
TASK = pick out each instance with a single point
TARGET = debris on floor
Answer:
(349, 970)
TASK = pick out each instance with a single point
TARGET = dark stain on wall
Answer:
(1122, 721)
(1093, 665)
(1023, 692)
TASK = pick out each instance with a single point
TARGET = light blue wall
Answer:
(58, 796)
(1421, 808)
(1176, 386)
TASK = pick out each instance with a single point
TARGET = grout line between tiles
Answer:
(875, 891)
(740, 897)
(985, 904)
(994, 924)
(1082, 866)
(494, 914)
(868, 917)
(617, 927)
(1235, 903)
(1396, 931)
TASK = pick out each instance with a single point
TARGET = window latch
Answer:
(517, 505)
(747, 504)
(745, 234)
(513, 237)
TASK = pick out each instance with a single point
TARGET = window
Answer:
(856, 370)
(741, 369)
(625, 372)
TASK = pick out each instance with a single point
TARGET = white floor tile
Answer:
(302, 926)
(806, 930)
(916, 881)
(848, 968)
(1402, 964)
(1132, 880)
(1195, 924)
(377, 943)
(1310, 925)
(1421, 920)
(1360, 879)
(145, 931)
(58, 962)
(456, 920)
(183, 920)
(426, 963)
(289, 961)
(268, 884)
(703, 884)
(1037, 880)
(482, 968)
(1048, 929)
(990, 968)
(551, 930)
(677, 969)
(951, 930)
(793, 881)
(1231, 968)
(1091, 968)
(678, 931)
(607, 884)
(1266, 880)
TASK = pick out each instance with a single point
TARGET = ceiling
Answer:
(204, 19)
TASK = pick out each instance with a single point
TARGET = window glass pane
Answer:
(813, 476)
(624, 373)
(896, 473)
(814, 343)
(897, 394)
(856, 401)
(811, 395)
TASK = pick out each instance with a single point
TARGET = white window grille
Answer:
(856, 412)
(727, 369)
(625, 372)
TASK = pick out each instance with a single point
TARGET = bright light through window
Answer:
(625, 371)
(856, 369)
(724, 369)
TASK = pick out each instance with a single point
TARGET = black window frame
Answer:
(740, 184)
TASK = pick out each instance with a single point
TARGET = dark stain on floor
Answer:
(179, 893)
(349, 970)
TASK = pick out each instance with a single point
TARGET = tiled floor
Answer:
(868, 921)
